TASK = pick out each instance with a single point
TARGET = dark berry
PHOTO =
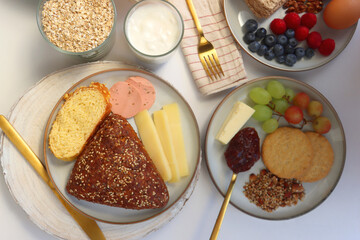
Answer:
(254, 46)
(290, 33)
(250, 25)
(278, 50)
(270, 40)
(249, 37)
(270, 55)
(293, 42)
(309, 52)
(262, 50)
(289, 49)
(260, 33)
(280, 59)
(282, 39)
(299, 53)
(290, 60)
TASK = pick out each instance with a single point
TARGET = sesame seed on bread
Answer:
(77, 120)
(264, 8)
(114, 169)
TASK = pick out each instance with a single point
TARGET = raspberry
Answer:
(278, 26)
(327, 46)
(314, 40)
(292, 20)
(308, 20)
(301, 33)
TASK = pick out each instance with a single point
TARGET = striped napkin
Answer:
(217, 31)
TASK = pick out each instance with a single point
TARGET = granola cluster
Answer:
(300, 6)
(269, 192)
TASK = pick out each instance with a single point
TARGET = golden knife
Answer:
(89, 226)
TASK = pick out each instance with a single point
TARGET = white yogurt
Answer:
(153, 28)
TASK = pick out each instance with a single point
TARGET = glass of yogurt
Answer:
(153, 30)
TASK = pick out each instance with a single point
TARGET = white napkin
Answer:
(216, 30)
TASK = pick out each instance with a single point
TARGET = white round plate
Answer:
(315, 193)
(237, 13)
(59, 171)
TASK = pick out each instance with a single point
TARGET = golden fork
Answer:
(206, 50)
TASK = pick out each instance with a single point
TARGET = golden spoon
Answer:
(221, 215)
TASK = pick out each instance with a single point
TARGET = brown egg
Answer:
(341, 14)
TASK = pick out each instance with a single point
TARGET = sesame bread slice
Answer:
(114, 169)
(77, 120)
(264, 8)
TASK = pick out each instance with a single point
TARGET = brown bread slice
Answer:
(264, 8)
(114, 169)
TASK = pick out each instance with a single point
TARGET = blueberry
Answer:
(254, 46)
(282, 39)
(290, 33)
(249, 37)
(278, 50)
(290, 59)
(260, 33)
(269, 55)
(262, 50)
(289, 49)
(280, 59)
(299, 52)
(309, 53)
(250, 25)
(293, 42)
(270, 40)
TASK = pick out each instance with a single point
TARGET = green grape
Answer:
(289, 94)
(260, 95)
(270, 125)
(262, 113)
(276, 89)
(280, 105)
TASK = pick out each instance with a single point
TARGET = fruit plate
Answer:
(237, 13)
(315, 193)
(59, 171)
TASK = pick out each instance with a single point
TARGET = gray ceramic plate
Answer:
(59, 171)
(237, 13)
(221, 174)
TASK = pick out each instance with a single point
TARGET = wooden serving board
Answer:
(29, 117)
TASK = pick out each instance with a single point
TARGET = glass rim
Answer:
(90, 51)
(170, 5)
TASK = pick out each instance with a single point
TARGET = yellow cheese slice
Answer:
(173, 115)
(152, 144)
(163, 129)
(238, 116)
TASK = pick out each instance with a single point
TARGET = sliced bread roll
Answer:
(77, 120)
(264, 8)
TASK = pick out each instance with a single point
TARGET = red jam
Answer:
(243, 150)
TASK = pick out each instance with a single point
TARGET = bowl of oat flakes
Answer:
(81, 28)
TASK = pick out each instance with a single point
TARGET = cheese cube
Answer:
(238, 116)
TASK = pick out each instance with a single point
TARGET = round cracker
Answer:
(287, 152)
(323, 158)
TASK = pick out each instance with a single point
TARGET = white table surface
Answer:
(26, 58)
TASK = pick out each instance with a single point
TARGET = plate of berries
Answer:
(300, 151)
(287, 41)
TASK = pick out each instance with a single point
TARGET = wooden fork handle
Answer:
(195, 17)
